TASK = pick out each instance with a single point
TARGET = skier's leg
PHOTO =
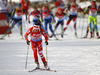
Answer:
(67, 23)
(95, 26)
(40, 51)
(34, 48)
(74, 20)
(62, 23)
(90, 27)
(87, 31)
(56, 26)
(50, 27)
(45, 23)
(10, 28)
(93, 29)
(12, 25)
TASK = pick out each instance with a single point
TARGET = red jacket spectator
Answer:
(25, 5)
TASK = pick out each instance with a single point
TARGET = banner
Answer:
(3, 23)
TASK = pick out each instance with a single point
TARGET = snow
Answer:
(84, 4)
(69, 55)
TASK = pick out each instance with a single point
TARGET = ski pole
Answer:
(62, 31)
(46, 54)
(27, 57)
(82, 27)
(80, 20)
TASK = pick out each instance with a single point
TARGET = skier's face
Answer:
(19, 8)
(44, 10)
(93, 6)
(35, 9)
(73, 3)
(60, 12)
(36, 30)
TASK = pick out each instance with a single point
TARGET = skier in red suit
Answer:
(36, 33)
(73, 8)
(60, 20)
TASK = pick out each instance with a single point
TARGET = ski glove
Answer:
(29, 21)
(12, 18)
(41, 20)
(46, 42)
(28, 42)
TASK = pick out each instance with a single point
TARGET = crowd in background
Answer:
(7, 8)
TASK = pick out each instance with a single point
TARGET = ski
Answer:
(42, 69)
(33, 70)
(56, 37)
(2, 38)
(60, 34)
(48, 70)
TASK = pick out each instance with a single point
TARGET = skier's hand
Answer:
(29, 21)
(41, 20)
(46, 42)
(12, 18)
(28, 42)
(53, 21)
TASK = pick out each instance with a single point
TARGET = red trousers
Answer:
(37, 47)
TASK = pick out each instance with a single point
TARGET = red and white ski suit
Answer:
(36, 42)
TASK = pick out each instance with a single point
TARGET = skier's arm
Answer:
(52, 16)
(44, 34)
(27, 33)
(12, 14)
(86, 9)
(41, 15)
(29, 17)
(68, 8)
(80, 8)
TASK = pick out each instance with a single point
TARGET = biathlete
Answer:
(36, 33)
(92, 19)
(47, 17)
(16, 18)
(36, 16)
(72, 15)
(60, 20)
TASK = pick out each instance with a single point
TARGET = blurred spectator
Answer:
(3, 6)
(25, 5)
(60, 4)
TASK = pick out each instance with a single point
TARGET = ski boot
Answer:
(52, 35)
(98, 37)
(75, 34)
(62, 35)
(46, 66)
(38, 66)
(91, 35)
(85, 36)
